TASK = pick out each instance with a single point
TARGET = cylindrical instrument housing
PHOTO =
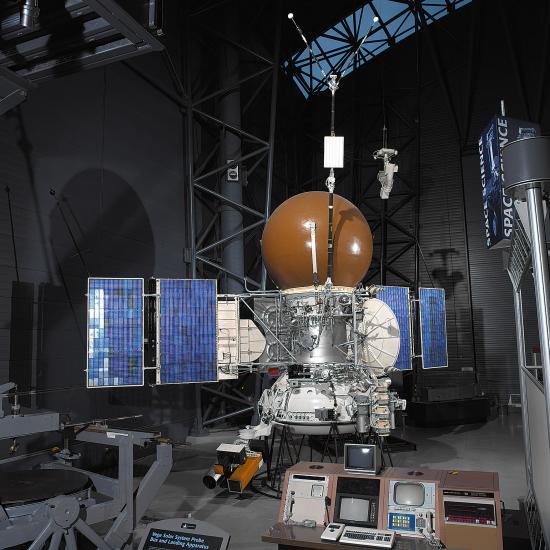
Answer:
(211, 479)
(526, 163)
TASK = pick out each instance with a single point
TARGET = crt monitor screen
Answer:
(409, 494)
(360, 457)
(354, 509)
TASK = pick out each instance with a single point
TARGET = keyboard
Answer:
(362, 536)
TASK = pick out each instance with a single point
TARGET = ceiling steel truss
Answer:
(73, 35)
(389, 22)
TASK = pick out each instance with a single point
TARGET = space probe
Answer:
(334, 343)
(332, 340)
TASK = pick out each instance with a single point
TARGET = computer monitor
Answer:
(409, 494)
(354, 509)
(363, 459)
(356, 501)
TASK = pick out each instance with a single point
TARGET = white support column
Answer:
(541, 274)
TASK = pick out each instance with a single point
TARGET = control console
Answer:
(411, 506)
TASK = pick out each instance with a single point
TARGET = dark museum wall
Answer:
(110, 147)
(468, 62)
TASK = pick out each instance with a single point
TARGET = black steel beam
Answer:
(471, 71)
(543, 71)
(230, 237)
(229, 201)
(13, 90)
(238, 84)
(230, 127)
(111, 11)
(272, 123)
(219, 267)
(440, 72)
(512, 52)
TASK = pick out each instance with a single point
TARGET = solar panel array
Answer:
(397, 298)
(187, 349)
(187, 330)
(115, 332)
(433, 328)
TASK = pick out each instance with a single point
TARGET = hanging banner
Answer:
(498, 209)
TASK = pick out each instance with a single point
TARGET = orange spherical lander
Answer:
(296, 236)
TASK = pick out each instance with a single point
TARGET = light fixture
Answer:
(29, 13)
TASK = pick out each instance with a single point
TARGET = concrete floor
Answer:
(494, 446)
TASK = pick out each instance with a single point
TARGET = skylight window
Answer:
(391, 20)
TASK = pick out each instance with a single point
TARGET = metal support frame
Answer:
(522, 360)
(117, 502)
(522, 253)
(73, 36)
(224, 393)
(13, 90)
(536, 529)
(203, 182)
(205, 245)
(541, 273)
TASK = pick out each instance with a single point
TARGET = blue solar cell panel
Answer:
(433, 328)
(115, 332)
(397, 298)
(187, 349)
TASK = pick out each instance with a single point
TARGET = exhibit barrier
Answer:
(539, 451)
(527, 168)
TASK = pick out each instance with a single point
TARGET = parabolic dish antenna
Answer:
(380, 330)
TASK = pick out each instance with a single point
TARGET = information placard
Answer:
(184, 534)
(163, 539)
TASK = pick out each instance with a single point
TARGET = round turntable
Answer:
(31, 486)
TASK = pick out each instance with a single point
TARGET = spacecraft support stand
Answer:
(60, 518)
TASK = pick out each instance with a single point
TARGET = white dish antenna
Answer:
(381, 335)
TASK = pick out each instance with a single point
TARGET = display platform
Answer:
(434, 414)
(28, 486)
(293, 536)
